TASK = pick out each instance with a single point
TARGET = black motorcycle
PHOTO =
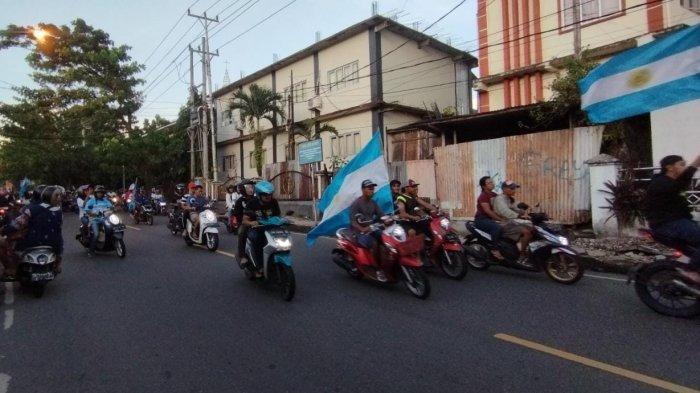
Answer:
(111, 236)
(176, 221)
(549, 251)
(143, 213)
(36, 269)
(663, 286)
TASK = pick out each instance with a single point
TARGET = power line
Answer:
(258, 24)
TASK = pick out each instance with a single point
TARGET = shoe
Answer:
(523, 261)
(381, 277)
(243, 262)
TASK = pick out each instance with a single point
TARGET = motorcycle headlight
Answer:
(128, 200)
(162, 203)
(283, 243)
(208, 215)
(114, 219)
(445, 223)
(399, 233)
(564, 241)
(42, 259)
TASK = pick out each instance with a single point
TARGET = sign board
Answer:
(310, 151)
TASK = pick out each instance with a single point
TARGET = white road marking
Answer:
(9, 320)
(606, 278)
(134, 228)
(9, 293)
(4, 382)
(228, 254)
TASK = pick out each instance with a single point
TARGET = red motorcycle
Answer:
(445, 250)
(400, 259)
(232, 224)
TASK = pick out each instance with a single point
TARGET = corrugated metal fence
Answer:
(291, 180)
(420, 171)
(549, 165)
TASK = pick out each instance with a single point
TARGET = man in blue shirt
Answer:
(196, 204)
(95, 205)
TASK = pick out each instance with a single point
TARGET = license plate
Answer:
(42, 276)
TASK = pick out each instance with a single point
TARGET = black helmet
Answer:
(46, 194)
(100, 189)
(37, 192)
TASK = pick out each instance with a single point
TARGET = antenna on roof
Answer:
(275, 57)
(318, 36)
(415, 25)
(374, 8)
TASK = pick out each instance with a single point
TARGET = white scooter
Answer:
(208, 230)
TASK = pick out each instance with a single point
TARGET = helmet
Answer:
(100, 189)
(264, 187)
(50, 194)
(36, 193)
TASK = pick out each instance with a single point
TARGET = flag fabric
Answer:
(346, 188)
(661, 73)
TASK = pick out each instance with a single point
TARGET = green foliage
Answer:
(259, 103)
(626, 201)
(78, 124)
(308, 130)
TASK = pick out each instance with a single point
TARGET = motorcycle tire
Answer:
(38, 289)
(471, 252)
(229, 228)
(421, 286)
(287, 282)
(573, 274)
(212, 240)
(136, 219)
(120, 248)
(149, 220)
(644, 290)
(456, 267)
(188, 241)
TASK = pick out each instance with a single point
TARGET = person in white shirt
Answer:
(231, 197)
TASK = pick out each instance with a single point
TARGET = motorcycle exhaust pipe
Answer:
(686, 287)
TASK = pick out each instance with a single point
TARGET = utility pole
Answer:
(207, 126)
(577, 27)
(192, 130)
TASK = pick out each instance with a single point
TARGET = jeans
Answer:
(489, 226)
(685, 230)
(95, 224)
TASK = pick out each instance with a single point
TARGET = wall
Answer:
(228, 130)
(437, 72)
(302, 70)
(673, 130)
(549, 165)
(354, 48)
(420, 171)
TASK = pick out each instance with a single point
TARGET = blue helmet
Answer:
(264, 187)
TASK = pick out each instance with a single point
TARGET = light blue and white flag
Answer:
(661, 73)
(346, 187)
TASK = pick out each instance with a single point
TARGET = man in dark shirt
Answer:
(668, 211)
(195, 205)
(366, 209)
(238, 208)
(259, 208)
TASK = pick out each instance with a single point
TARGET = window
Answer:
(345, 145)
(344, 75)
(228, 162)
(589, 9)
(299, 91)
(251, 159)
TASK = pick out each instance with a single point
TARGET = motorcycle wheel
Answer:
(654, 286)
(564, 268)
(287, 282)
(212, 241)
(136, 219)
(38, 289)
(453, 264)
(120, 248)
(149, 220)
(471, 252)
(188, 241)
(418, 283)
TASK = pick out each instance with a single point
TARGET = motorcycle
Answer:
(274, 260)
(662, 286)
(111, 236)
(548, 251)
(444, 251)
(160, 205)
(208, 234)
(36, 269)
(400, 256)
(143, 213)
(232, 224)
(175, 221)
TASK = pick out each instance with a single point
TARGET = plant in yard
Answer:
(309, 131)
(626, 202)
(257, 104)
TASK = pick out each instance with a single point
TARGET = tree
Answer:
(259, 103)
(308, 130)
(86, 95)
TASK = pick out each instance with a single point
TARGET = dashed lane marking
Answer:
(228, 254)
(134, 228)
(4, 382)
(9, 313)
(9, 319)
(606, 278)
(659, 383)
(9, 293)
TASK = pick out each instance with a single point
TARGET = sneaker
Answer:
(381, 277)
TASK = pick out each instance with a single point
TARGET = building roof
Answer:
(375, 21)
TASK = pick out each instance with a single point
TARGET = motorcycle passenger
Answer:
(238, 209)
(98, 203)
(39, 224)
(82, 199)
(668, 211)
(395, 193)
(263, 206)
(196, 204)
(231, 198)
(140, 200)
(407, 204)
(368, 210)
(485, 218)
(507, 207)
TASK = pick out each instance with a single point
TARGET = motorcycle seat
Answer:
(473, 229)
(347, 234)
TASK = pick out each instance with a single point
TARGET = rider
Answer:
(507, 207)
(231, 198)
(196, 204)
(368, 210)
(140, 200)
(407, 204)
(263, 206)
(82, 199)
(485, 218)
(395, 193)
(96, 204)
(41, 222)
(668, 211)
(238, 209)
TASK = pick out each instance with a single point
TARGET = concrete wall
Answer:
(303, 71)
(676, 130)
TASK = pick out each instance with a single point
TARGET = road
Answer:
(170, 318)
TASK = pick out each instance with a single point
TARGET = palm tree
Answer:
(259, 103)
(308, 130)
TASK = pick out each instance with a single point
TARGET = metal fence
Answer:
(642, 177)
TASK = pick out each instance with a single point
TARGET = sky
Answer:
(142, 24)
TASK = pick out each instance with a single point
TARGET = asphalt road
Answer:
(171, 318)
